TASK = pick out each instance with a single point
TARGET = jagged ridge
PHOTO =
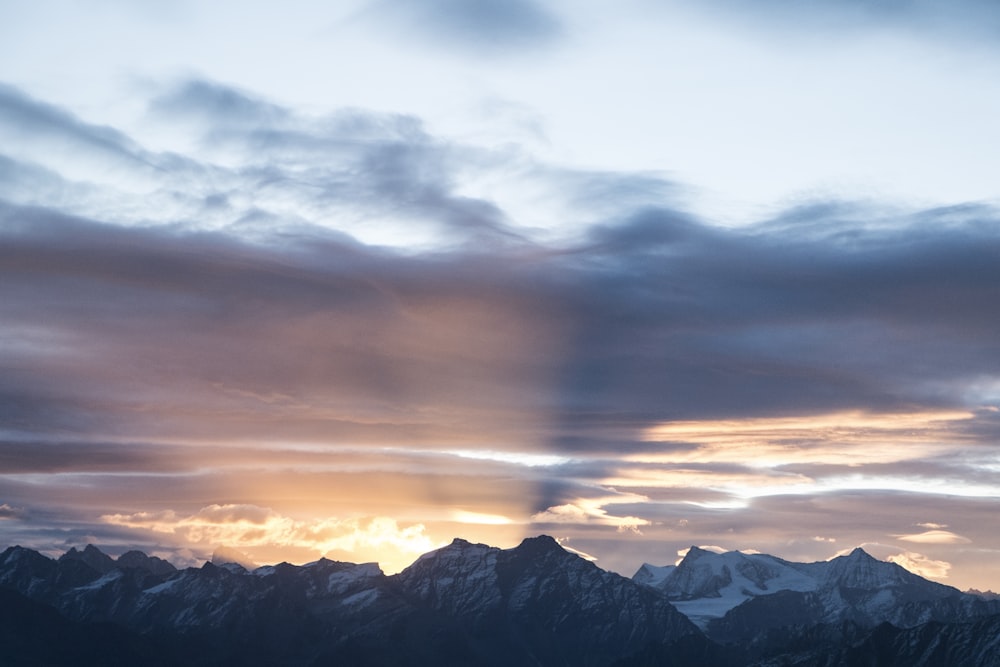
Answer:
(462, 604)
(535, 604)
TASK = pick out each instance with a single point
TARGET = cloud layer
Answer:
(335, 318)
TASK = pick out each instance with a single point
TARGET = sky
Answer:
(353, 279)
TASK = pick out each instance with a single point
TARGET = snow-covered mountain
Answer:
(738, 596)
(652, 575)
(462, 604)
(565, 608)
(473, 604)
(706, 585)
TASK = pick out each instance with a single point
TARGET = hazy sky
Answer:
(355, 278)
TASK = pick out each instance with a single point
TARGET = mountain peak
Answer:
(696, 553)
(92, 557)
(139, 560)
(455, 548)
(861, 554)
(860, 570)
(540, 545)
(652, 575)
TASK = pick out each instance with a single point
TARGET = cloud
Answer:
(53, 143)
(484, 27)
(813, 438)
(19, 457)
(8, 512)
(592, 511)
(464, 516)
(934, 537)
(209, 290)
(218, 107)
(38, 122)
(239, 326)
(922, 565)
(242, 526)
(225, 554)
(240, 161)
(964, 19)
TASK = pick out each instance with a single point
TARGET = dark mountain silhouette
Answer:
(472, 604)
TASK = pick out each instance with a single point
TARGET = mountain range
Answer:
(473, 604)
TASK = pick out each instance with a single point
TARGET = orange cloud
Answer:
(244, 526)
(464, 516)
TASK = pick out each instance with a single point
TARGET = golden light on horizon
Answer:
(248, 527)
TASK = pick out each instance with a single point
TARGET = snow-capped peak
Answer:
(652, 575)
(860, 570)
(706, 584)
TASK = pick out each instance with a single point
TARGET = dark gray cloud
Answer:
(683, 318)
(20, 457)
(657, 317)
